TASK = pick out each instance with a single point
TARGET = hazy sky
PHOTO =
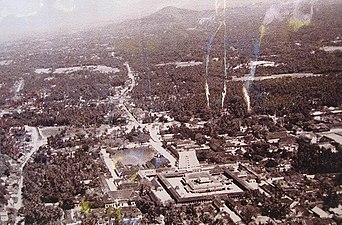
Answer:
(106, 9)
(39, 15)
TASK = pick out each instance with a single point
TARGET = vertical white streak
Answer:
(246, 98)
(224, 93)
(207, 91)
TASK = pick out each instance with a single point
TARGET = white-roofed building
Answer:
(3, 217)
(188, 161)
(320, 212)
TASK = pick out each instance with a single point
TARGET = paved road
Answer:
(110, 165)
(157, 145)
(153, 129)
(36, 141)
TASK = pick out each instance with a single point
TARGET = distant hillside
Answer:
(172, 14)
(166, 17)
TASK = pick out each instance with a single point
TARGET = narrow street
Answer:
(36, 141)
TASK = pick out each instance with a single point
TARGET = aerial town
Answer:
(178, 117)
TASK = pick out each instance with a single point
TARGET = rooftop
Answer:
(320, 212)
(188, 160)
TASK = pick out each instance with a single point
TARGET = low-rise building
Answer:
(4, 217)
(320, 212)
(118, 199)
(328, 146)
(201, 182)
(128, 215)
